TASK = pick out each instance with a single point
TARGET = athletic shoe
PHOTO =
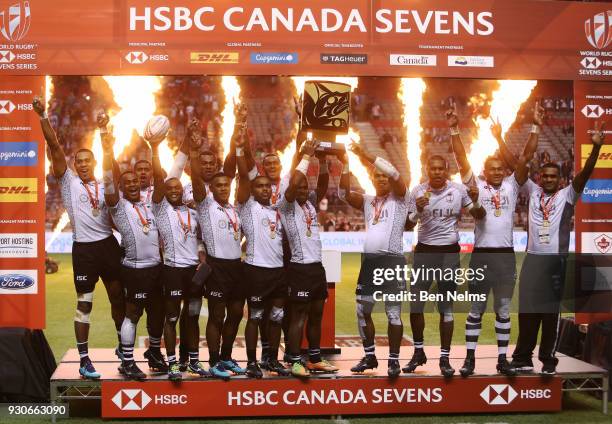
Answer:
(232, 365)
(522, 366)
(418, 359)
(277, 367)
(88, 371)
(298, 370)
(393, 368)
(218, 371)
(368, 362)
(265, 357)
(183, 363)
(119, 353)
(174, 372)
(505, 368)
(468, 367)
(548, 369)
(156, 360)
(253, 370)
(445, 367)
(131, 371)
(322, 366)
(197, 369)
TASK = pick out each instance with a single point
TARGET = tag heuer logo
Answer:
(131, 399)
(6, 56)
(603, 243)
(592, 111)
(6, 107)
(136, 58)
(15, 21)
(498, 394)
(590, 63)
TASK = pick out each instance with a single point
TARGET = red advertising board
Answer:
(22, 211)
(346, 396)
(441, 38)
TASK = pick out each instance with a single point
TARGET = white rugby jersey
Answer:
(188, 192)
(438, 224)
(218, 225)
(146, 194)
(263, 231)
(302, 229)
(385, 218)
(496, 231)
(554, 237)
(141, 247)
(85, 226)
(278, 190)
(178, 230)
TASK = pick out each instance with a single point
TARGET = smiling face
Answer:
(381, 183)
(494, 171)
(144, 172)
(84, 164)
(302, 192)
(262, 190)
(272, 167)
(130, 186)
(174, 191)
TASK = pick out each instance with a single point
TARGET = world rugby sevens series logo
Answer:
(15, 22)
(598, 30)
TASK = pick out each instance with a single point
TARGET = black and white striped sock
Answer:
(502, 333)
(473, 325)
(369, 350)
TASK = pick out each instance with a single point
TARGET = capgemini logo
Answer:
(15, 22)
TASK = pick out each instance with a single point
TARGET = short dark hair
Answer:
(141, 161)
(208, 153)
(267, 155)
(261, 176)
(492, 158)
(219, 175)
(129, 171)
(84, 150)
(552, 165)
(437, 157)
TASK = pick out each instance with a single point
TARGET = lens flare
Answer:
(505, 104)
(411, 96)
(59, 227)
(359, 171)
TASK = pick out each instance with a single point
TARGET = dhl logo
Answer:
(19, 190)
(214, 57)
(605, 155)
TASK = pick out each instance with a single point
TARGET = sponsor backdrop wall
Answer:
(22, 200)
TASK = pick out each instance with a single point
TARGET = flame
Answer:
(411, 95)
(61, 224)
(231, 91)
(357, 169)
(505, 104)
(48, 92)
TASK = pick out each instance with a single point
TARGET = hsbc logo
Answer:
(131, 399)
(15, 21)
(136, 58)
(6, 107)
(498, 394)
(598, 29)
(594, 111)
(6, 56)
(590, 63)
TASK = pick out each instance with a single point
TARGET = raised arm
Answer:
(244, 179)
(583, 176)
(322, 179)
(353, 198)
(521, 173)
(195, 141)
(58, 157)
(298, 173)
(111, 192)
(506, 155)
(181, 158)
(398, 186)
(458, 149)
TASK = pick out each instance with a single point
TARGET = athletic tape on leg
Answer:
(277, 314)
(195, 306)
(256, 314)
(394, 314)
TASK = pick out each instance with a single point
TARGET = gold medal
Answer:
(95, 212)
(497, 212)
(273, 234)
(546, 223)
(146, 229)
(308, 233)
(375, 221)
(427, 194)
(236, 235)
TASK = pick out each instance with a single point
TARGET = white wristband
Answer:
(239, 151)
(386, 168)
(476, 204)
(345, 170)
(303, 165)
(253, 173)
(44, 115)
(535, 129)
(414, 217)
(103, 131)
(455, 131)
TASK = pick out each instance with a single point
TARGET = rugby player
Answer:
(436, 205)
(385, 216)
(494, 246)
(305, 273)
(95, 251)
(543, 274)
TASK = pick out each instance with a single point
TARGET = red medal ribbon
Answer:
(307, 215)
(495, 197)
(544, 207)
(186, 228)
(233, 223)
(144, 221)
(95, 203)
(275, 193)
(378, 207)
(273, 225)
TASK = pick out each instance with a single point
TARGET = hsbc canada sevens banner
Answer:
(22, 211)
(444, 38)
(593, 102)
(346, 396)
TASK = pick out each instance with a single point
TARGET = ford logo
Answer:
(15, 282)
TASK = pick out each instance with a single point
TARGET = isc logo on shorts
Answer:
(140, 296)
(255, 298)
(216, 294)
(176, 292)
(81, 277)
(302, 294)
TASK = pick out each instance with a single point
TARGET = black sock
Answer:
(214, 358)
(252, 355)
(83, 352)
(314, 355)
(501, 357)
(194, 357)
(471, 353)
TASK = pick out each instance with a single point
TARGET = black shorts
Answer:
(176, 282)
(264, 284)
(141, 285)
(226, 280)
(307, 282)
(434, 263)
(91, 261)
(374, 272)
(494, 269)
(542, 282)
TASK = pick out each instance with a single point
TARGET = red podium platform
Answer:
(342, 393)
